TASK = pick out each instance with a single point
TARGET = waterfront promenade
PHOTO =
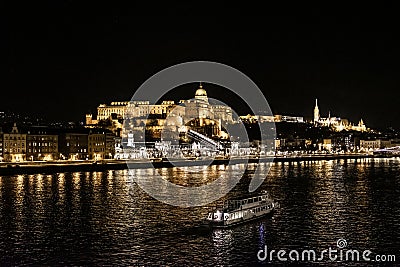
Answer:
(8, 168)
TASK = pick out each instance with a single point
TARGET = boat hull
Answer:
(236, 222)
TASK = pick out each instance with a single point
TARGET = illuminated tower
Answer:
(316, 112)
(88, 119)
(130, 140)
(329, 118)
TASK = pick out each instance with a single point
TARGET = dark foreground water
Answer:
(104, 218)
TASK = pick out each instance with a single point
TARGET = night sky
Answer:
(61, 60)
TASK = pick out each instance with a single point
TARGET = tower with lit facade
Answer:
(336, 123)
(316, 112)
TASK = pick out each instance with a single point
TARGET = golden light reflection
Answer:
(61, 186)
(98, 179)
(93, 178)
(204, 175)
(237, 166)
(221, 240)
(110, 175)
(39, 183)
(19, 202)
(20, 185)
(329, 163)
(76, 180)
(150, 171)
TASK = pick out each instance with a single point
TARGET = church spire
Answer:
(316, 111)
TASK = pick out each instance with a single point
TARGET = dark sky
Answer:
(61, 60)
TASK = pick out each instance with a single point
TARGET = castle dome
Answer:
(201, 91)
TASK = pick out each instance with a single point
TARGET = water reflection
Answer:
(104, 218)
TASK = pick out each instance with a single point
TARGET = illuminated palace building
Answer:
(168, 113)
(336, 123)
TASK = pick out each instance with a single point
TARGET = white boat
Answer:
(238, 211)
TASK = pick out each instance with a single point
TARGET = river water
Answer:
(104, 218)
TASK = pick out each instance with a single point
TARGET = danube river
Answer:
(104, 218)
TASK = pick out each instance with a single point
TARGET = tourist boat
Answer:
(234, 212)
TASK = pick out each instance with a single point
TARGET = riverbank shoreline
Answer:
(74, 166)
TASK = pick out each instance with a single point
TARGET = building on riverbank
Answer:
(369, 145)
(74, 145)
(14, 144)
(41, 144)
(101, 145)
(44, 143)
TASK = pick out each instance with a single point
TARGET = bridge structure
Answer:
(205, 141)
